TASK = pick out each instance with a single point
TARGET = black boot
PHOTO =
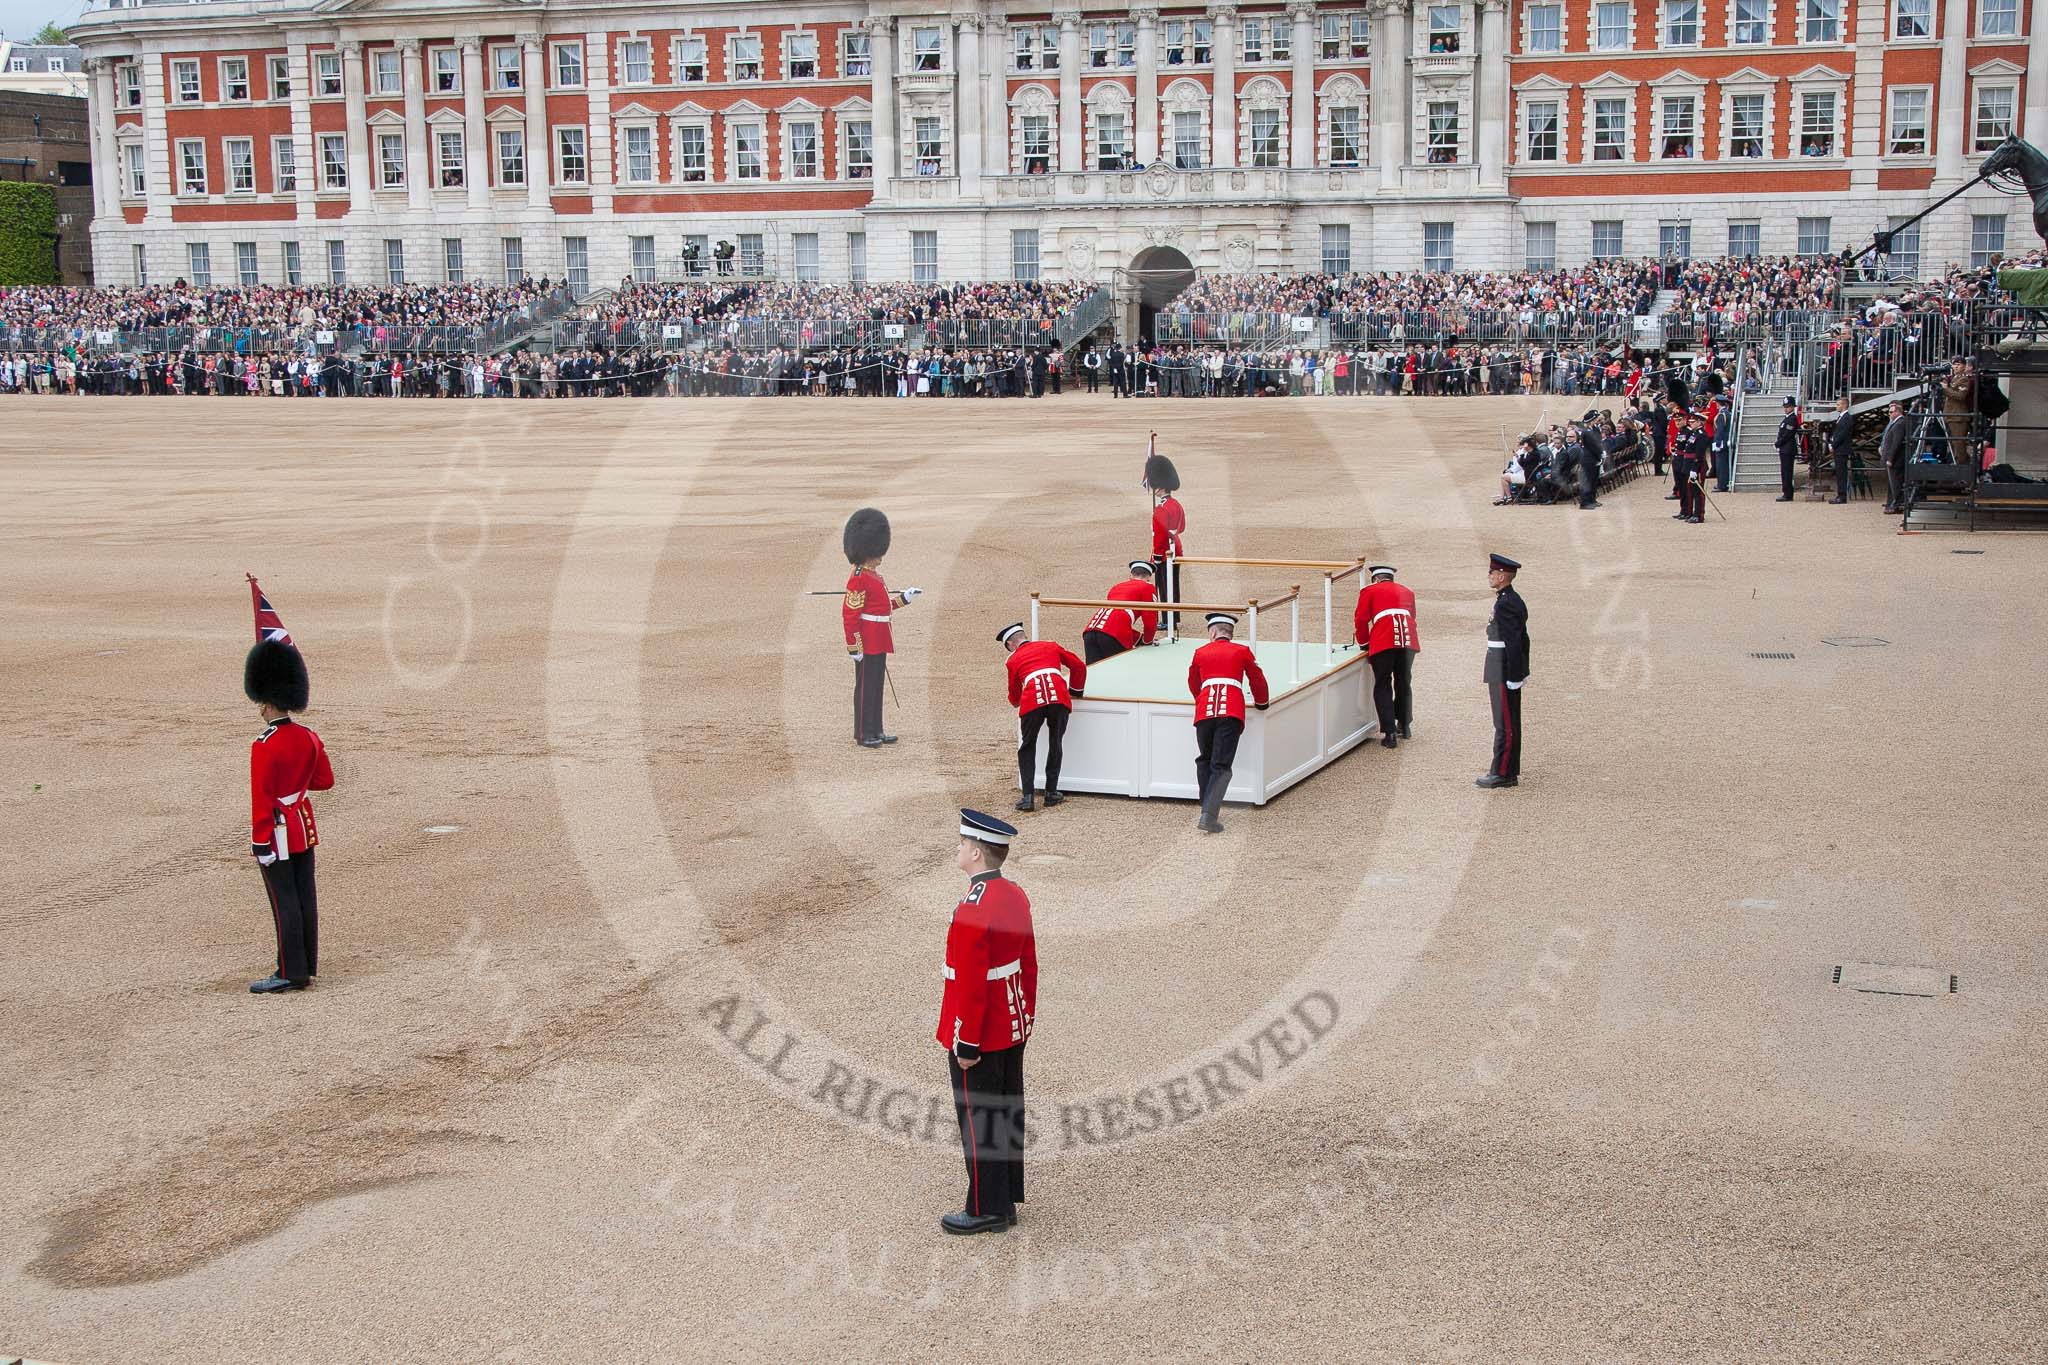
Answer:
(1212, 801)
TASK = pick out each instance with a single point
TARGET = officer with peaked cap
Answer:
(1507, 668)
(285, 763)
(986, 1013)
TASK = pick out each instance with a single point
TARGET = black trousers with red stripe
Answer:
(868, 682)
(295, 912)
(1507, 729)
(988, 1097)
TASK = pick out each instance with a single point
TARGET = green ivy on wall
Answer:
(28, 231)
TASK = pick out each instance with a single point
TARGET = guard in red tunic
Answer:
(1116, 629)
(985, 1018)
(864, 616)
(1043, 695)
(1217, 679)
(1169, 521)
(1385, 625)
(286, 762)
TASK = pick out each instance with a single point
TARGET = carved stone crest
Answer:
(1159, 179)
(1237, 253)
(1081, 257)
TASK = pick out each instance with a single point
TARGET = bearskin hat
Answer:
(866, 536)
(1681, 398)
(1714, 385)
(1160, 475)
(276, 673)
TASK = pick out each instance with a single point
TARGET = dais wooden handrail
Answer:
(1271, 563)
(1098, 603)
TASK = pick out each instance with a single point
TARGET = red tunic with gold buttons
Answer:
(285, 763)
(1217, 678)
(1123, 624)
(991, 970)
(865, 612)
(1386, 618)
(1036, 679)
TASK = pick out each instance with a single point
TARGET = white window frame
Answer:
(1448, 228)
(1820, 22)
(505, 78)
(1338, 236)
(438, 133)
(1175, 149)
(792, 123)
(185, 165)
(1978, 144)
(1667, 25)
(573, 49)
(1110, 139)
(561, 153)
(790, 58)
(692, 58)
(293, 260)
(394, 260)
(503, 138)
(228, 79)
(927, 154)
(1925, 95)
(1594, 229)
(1431, 144)
(134, 169)
(1982, 251)
(920, 271)
(248, 266)
(851, 167)
(327, 71)
(437, 74)
(284, 160)
(1754, 229)
(383, 61)
(452, 264)
(1594, 92)
(382, 141)
(1443, 41)
(2009, 25)
(1529, 44)
(1527, 105)
(683, 131)
(626, 60)
(329, 182)
(1922, 16)
(1539, 231)
(1047, 153)
(1751, 32)
(277, 77)
(737, 64)
(511, 259)
(856, 53)
(1835, 93)
(1596, 34)
(128, 80)
(1027, 260)
(1346, 95)
(739, 131)
(179, 69)
(628, 129)
(1668, 103)
(640, 257)
(337, 260)
(199, 264)
(927, 57)
(1757, 88)
(1802, 243)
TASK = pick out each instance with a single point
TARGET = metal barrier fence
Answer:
(1853, 357)
(1376, 327)
(795, 333)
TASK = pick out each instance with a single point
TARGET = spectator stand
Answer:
(1999, 476)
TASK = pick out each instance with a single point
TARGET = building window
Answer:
(1443, 132)
(246, 273)
(1681, 23)
(804, 256)
(451, 260)
(327, 74)
(511, 157)
(394, 261)
(1039, 49)
(1821, 20)
(333, 161)
(449, 157)
(1610, 129)
(924, 257)
(1610, 25)
(131, 85)
(1746, 126)
(576, 263)
(391, 161)
(1680, 127)
(384, 72)
(857, 257)
(746, 152)
(1813, 236)
(1752, 22)
(1438, 246)
(1023, 253)
(1360, 34)
(337, 261)
(1252, 48)
(1112, 45)
(241, 159)
(1817, 124)
(690, 60)
(693, 152)
(1187, 139)
(185, 81)
(1903, 260)
(191, 166)
(802, 140)
(1035, 135)
(572, 161)
(856, 55)
(1993, 123)
(446, 63)
(1546, 28)
(1998, 18)
(199, 264)
(642, 252)
(639, 151)
(753, 260)
(1745, 240)
(1987, 240)
(1909, 123)
(284, 166)
(860, 149)
(1606, 239)
(1539, 246)
(800, 56)
(1336, 248)
(1912, 18)
(292, 272)
(1112, 145)
(234, 79)
(636, 62)
(1344, 143)
(568, 65)
(1330, 37)
(141, 255)
(927, 147)
(924, 49)
(1542, 118)
(134, 171)
(513, 252)
(1445, 21)
(505, 73)
(279, 72)
(1674, 241)
(1265, 125)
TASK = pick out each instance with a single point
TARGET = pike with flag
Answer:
(286, 763)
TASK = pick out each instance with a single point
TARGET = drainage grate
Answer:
(1856, 641)
(1763, 654)
(1883, 978)
(1966, 552)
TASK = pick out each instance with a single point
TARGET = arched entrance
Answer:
(1159, 272)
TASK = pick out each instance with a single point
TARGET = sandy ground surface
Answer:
(636, 1062)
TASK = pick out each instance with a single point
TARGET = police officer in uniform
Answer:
(1507, 668)
(1788, 447)
(1385, 625)
(986, 1013)
(286, 762)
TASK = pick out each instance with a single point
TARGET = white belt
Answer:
(1496, 644)
(866, 617)
(1032, 677)
(291, 800)
(1002, 973)
(1390, 611)
(1223, 682)
(948, 970)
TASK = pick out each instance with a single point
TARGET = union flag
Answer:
(268, 627)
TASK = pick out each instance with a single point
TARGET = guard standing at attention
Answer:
(1043, 696)
(1788, 447)
(1116, 629)
(1217, 679)
(286, 762)
(985, 1018)
(864, 616)
(1386, 626)
(1507, 668)
(1169, 521)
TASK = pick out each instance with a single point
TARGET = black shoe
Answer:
(1490, 781)
(1053, 798)
(888, 739)
(1387, 741)
(1678, 516)
(1208, 826)
(1025, 804)
(1404, 731)
(271, 985)
(1783, 497)
(871, 744)
(1697, 521)
(1838, 501)
(1668, 497)
(967, 1224)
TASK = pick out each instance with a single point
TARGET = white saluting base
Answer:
(1133, 734)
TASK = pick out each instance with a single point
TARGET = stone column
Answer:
(1223, 92)
(1952, 99)
(1391, 134)
(300, 64)
(995, 116)
(419, 165)
(1072, 156)
(882, 101)
(1301, 96)
(2035, 119)
(597, 135)
(358, 127)
(1490, 100)
(1148, 83)
(967, 103)
(483, 158)
(156, 155)
(540, 161)
(106, 153)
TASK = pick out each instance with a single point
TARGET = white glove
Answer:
(854, 654)
(909, 593)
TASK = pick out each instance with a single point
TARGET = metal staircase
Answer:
(1756, 435)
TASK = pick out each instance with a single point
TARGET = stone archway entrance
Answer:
(1158, 273)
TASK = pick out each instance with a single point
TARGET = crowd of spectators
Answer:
(1608, 286)
(338, 308)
